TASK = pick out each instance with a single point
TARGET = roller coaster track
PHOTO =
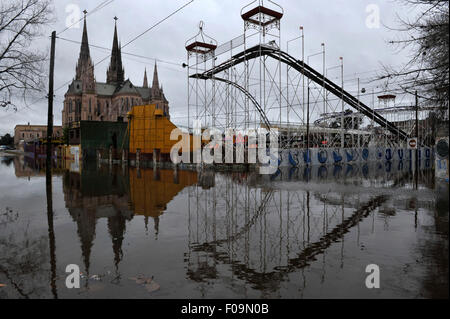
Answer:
(303, 68)
(258, 107)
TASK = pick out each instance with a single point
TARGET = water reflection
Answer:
(95, 194)
(297, 233)
(152, 190)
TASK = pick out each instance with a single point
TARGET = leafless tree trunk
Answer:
(21, 65)
(427, 38)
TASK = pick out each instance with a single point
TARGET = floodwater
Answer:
(144, 233)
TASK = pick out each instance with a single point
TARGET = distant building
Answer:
(29, 133)
(89, 100)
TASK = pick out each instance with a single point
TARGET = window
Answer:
(23, 135)
(90, 105)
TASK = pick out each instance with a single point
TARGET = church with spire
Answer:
(89, 100)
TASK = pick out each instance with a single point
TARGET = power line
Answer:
(97, 8)
(109, 55)
(135, 38)
(158, 23)
(126, 53)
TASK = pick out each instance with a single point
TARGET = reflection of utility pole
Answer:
(415, 215)
(307, 211)
(48, 171)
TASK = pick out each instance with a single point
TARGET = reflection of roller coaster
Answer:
(266, 230)
(268, 280)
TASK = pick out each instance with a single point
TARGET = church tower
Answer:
(145, 84)
(89, 100)
(156, 92)
(85, 68)
(115, 73)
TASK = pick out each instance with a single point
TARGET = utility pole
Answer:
(50, 102)
(417, 118)
(48, 171)
(417, 141)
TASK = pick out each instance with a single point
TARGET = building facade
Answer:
(89, 100)
(29, 133)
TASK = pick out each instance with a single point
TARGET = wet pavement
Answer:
(144, 233)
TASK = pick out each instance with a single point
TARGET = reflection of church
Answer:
(119, 194)
(93, 195)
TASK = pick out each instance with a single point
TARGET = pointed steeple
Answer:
(116, 228)
(155, 77)
(84, 57)
(86, 224)
(84, 52)
(85, 68)
(115, 73)
(145, 79)
(156, 92)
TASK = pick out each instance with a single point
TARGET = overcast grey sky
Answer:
(340, 24)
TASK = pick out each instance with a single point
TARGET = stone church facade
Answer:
(89, 100)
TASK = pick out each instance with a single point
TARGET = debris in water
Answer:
(148, 283)
(152, 286)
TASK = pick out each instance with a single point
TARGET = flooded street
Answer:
(301, 233)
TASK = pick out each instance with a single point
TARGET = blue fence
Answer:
(325, 156)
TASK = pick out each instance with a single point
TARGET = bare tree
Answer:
(21, 65)
(427, 38)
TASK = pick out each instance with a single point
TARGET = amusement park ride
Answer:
(250, 83)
